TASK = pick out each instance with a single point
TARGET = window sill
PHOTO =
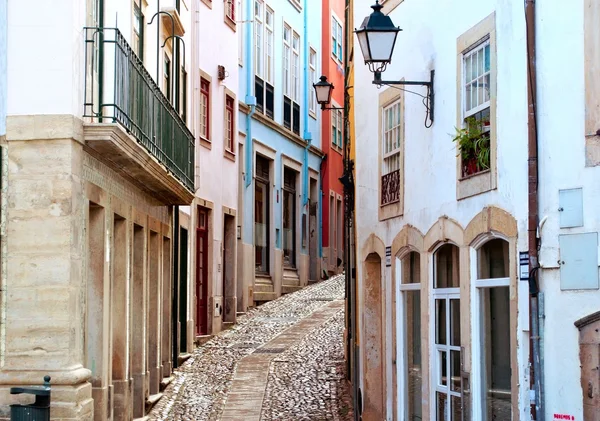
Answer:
(229, 22)
(229, 155)
(208, 3)
(391, 210)
(337, 61)
(337, 149)
(206, 143)
(474, 184)
(313, 114)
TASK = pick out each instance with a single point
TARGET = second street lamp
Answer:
(377, 38)
(323, 90)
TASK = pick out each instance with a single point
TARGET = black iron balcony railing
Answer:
(390, 187)
(118, 88)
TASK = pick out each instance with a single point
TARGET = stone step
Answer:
(291, 281)
(202, 339)
(264, 296)
(239, 313)
(311, 281)
(286, 289)
(165, 382)
(262, 287)
(151, 401)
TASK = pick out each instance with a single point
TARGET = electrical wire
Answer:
(425, 101)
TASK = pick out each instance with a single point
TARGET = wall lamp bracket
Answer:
(324, 107)
(428, 100)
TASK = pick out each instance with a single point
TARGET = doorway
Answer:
(183, 289)
(312, 230)
(202, 273)
(261, 216)
(229, 290)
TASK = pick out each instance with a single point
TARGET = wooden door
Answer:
(201, 276)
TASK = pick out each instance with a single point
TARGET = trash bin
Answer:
(37, 411)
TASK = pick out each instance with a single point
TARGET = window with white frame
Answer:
(336, 38)
(269, 62)
(391, 137)
(492, 350)
(258, 37)
(409, 340)
(312, 69)
(263, 78)
(204, 109)
(291, 79)
(287, 58)
(296, 67)
(337, 121)
(476, 79)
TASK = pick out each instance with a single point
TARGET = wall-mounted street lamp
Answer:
(323, 90)
(377, 38)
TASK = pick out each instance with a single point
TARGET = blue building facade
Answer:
(280, 143)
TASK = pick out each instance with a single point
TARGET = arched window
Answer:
(491, 325)
(446, 364)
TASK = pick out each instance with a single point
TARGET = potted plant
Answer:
(474, 146)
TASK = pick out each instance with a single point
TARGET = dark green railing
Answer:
(118, 88)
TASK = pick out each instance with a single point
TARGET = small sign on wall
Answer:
(388, 256)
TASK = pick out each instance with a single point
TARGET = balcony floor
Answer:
(111, 144)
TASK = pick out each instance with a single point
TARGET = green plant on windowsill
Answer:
(474, 146)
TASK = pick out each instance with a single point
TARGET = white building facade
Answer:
(442, 233)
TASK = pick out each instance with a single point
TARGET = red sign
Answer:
(564, 417)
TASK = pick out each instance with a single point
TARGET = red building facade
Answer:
(332, 135)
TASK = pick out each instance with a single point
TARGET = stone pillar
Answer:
(138, 311)
(154, 295)
(43, 287)
(167, 270)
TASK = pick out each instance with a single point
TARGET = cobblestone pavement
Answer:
(281, 361)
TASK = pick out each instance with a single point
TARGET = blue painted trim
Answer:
(307, 135)
(250, 99)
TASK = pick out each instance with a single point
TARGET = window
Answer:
(229, 124)
(476, 108)
(258, 38)
(230, 9)
(291, 79)
(138, 30)
(337, 121)
(289, 217)
(446, 379)
(476, 164)
(296, 67)
(167, 77)
(332, 214)
(492, 330)
(312, 69)
(269, 45)
(410, 337)
(183, 95)
(287, 58)
(336, 39)
(391, 148)
(263, 79)
(204, 109)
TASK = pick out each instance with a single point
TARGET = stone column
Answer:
(43, 288)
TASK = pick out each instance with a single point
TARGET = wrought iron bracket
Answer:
(429, 98)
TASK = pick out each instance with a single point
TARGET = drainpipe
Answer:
(307, 135)
(250, 99)
(537, 409)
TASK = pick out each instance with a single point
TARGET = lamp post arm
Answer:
(429, 84)
(324, 107)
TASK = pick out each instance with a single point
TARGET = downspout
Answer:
(307, 135)
(537, 409)
(250, 99)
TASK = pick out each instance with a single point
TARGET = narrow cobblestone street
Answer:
(282, 361)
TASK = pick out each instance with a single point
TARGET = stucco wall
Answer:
(429, 42)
